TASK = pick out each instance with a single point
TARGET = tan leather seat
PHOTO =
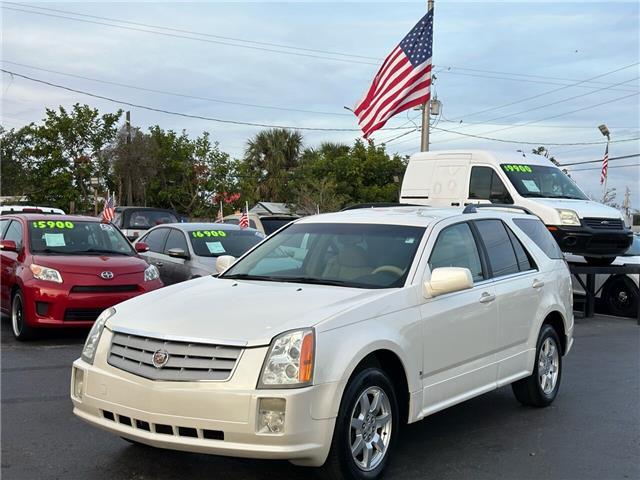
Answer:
(349, 264)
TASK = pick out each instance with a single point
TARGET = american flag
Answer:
(220, 217)
(244, 219)
(605, 165)
(403, 81)
(109, 211)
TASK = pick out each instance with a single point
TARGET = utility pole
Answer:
(129, 182)
(426, 110)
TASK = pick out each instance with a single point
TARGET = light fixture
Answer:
(604, 130)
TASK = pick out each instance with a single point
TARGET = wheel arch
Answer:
(557, 321)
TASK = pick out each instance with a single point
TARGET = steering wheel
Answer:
(389, 268)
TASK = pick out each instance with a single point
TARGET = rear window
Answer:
(270, 225)
(213, 243)
(537, 232)
(145, 219)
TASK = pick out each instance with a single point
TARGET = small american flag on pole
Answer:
(244, 219)
(403, 81)
(220, 217)
(109, 211)
(605, 165)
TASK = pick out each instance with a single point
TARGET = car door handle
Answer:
(537, 284)
(486, 297)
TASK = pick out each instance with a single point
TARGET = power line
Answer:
(545, 118)
(532, 97)
(255, 45)
(175, 94)
(573, 170)
(186, 115)
(599, 160)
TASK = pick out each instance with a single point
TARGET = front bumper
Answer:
(214, 417)
(584, 240)
(48, 304)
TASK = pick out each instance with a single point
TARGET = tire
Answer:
(599, 261)
(370, 387)
(534, 390)
(621, 297)
(21, 331)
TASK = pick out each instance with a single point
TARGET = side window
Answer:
(502, 257)
(537, 232)
(480, 183)
(456, 247)
(176, 240)
(14, 232)
(485, 184)
(3, 225)
(525, 262)
(156, 239)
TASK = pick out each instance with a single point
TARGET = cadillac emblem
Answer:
(160, 358)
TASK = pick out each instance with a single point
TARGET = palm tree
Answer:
(273, 154)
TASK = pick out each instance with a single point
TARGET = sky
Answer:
(540, 73)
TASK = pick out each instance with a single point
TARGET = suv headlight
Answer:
(568, 217)
(289, 362)
(45, 273)
(90, 345)
(151, 273)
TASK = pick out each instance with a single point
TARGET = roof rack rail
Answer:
(473, 207)
(359, 206)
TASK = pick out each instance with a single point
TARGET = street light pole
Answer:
(426, 110)
(605, 131)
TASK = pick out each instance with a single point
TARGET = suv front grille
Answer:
(604, 223)
(187, 361)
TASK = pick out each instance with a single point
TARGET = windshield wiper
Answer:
(49, 251)
(246, 276)
(319, 281)
(97, 250)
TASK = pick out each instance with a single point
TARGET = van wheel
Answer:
(599, 261)
(541, 387)
(621, 297)
(21, 331)
(365, 429)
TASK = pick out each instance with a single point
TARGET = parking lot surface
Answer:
(591, 431)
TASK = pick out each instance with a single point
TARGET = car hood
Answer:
(584, 208)
(88, 264)
(234, 311)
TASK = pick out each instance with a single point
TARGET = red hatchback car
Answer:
(63, 271)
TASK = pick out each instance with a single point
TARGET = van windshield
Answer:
(542, 181)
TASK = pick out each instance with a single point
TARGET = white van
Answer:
(462, 177)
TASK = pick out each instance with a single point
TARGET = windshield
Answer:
(361, 256)
(145, 219)
(213, 243)
(541, 181)
(51, 237)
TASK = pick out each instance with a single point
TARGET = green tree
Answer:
(271, 157)
(67, 152)
(15, 156)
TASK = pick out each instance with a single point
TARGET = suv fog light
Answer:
(78, 380)
(271, 413)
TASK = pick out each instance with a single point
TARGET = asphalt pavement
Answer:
(592, 431)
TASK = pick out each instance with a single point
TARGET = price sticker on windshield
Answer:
(517, 168)
(208, 233)
(53, 224)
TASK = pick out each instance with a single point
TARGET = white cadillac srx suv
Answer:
(319, 343)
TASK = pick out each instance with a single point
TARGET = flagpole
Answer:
(604, 192)
(426, 108)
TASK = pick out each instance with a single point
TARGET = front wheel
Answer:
(541, 387)
(364, 433)
(600, 261)
(21, 331)
(621, 297)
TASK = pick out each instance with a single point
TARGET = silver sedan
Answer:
(182, 251)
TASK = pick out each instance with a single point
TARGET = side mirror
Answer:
(223, 262)
(8, 246)
(447, 280)
(178, 253)
(141, 247)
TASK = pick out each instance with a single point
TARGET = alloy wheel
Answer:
(370, 432)
(548, 366)
(17, 318)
